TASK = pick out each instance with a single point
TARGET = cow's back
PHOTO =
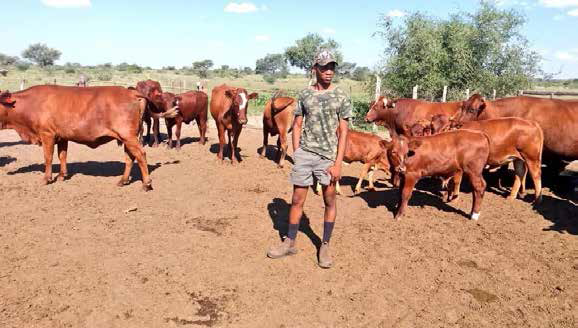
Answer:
(80, 114)
(411, 111)
(361, 145)
(557, 118)
(193, 104)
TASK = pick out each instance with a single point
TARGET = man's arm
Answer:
(335, 170)
(297, 126)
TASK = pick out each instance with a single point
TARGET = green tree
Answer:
(361, 74)
(272, 67)
(303, 52)
(6, 60)
(481, 51)
(40, 54)
(201, 68)
(346, 69)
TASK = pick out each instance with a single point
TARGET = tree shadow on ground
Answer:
(93, 168)
(279, 213)
(271, 154)
(5, 160)
(12, 143)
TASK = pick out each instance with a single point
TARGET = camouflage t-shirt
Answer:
(321, 111)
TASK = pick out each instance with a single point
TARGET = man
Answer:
(319, 133)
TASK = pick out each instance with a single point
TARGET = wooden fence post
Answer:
(467, 93)
(22, 85)
(377, 94)
(494, 95)
(445, 94)
(414, 92)
(54, 81)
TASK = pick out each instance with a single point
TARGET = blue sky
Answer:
(236, 33)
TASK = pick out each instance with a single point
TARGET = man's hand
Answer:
(335, 172)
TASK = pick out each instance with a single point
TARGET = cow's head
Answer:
(240, 103)
(381, 104)
(472, 108)
(440, 123)
(398, 150)
(153, 92)
(171, 101)
(279, 104)
(6, 103)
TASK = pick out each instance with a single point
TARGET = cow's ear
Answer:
(414, 144)
(253, 95)
(6, 98)
(482, 104)
(230, 93)
(384, 144)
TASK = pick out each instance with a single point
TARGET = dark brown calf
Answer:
(193, 105)
(152, 91)
(448, 154)
(278, 119)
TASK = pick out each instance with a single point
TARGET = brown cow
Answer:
(49, 114)
(557, 118)
(448, 154)
(278, 119)
(401, 114)
(153, 92)
(229, 109)
(192, 105)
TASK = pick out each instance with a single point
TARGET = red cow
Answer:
(557, 118)
(153, 92)
(400, 115)
(278, 119)
(49, 114)
(448, 154)
(193, 105)
(229, 110)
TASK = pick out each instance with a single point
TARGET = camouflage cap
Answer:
(324, 57)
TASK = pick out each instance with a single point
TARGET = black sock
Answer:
(292, 231)
(327, 231)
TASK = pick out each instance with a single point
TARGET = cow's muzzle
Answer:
(243, 121)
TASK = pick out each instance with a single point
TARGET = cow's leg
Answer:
(454, 187)
(395, 179)
(48, 147)
(405, 189)
(479, 187)
(178, 132)
(362, 176)
(235, 143)
(62, 151)
(128, 162)
(521, 171)
(170, 124)
(231, 149)
(156, 132)
(265, 141)
(278, 155)
(370, 176)
(202, 125)
(147, 121)
(137, 152)
(221, 132)
(284, 146)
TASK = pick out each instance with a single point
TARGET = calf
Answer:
(193, 105)
(448, 154)
(364, 148)
(229, 110)
(278, 119)
(152, 91)
(517, 140)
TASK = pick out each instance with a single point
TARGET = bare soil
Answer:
(86, 253)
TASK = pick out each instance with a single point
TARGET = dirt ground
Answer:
(86, 253)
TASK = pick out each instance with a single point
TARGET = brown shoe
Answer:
(286, 248)
(325, 260)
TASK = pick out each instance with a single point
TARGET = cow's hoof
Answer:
(147, 186)
(122, 183)
(511, 198)
(46, 181)
(280, 166)
(62, 177)
(155, 145)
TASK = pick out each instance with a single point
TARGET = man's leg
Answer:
(295, 214)
(329, 197)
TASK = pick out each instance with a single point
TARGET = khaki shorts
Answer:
(309, 165)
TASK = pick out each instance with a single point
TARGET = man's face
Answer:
(325, 73)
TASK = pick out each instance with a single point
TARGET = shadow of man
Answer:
(279, 213)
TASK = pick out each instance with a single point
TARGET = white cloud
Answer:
(240, 8)
(262, 38)
(570, 55)
(66, 3)
(573, 13)
(559, 3)
(396, 13)
(328, 31)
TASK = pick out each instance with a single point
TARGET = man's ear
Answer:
(253, 95)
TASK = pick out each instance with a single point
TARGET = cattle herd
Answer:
(445, 140)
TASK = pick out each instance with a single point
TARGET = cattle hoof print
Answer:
(147, 187)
